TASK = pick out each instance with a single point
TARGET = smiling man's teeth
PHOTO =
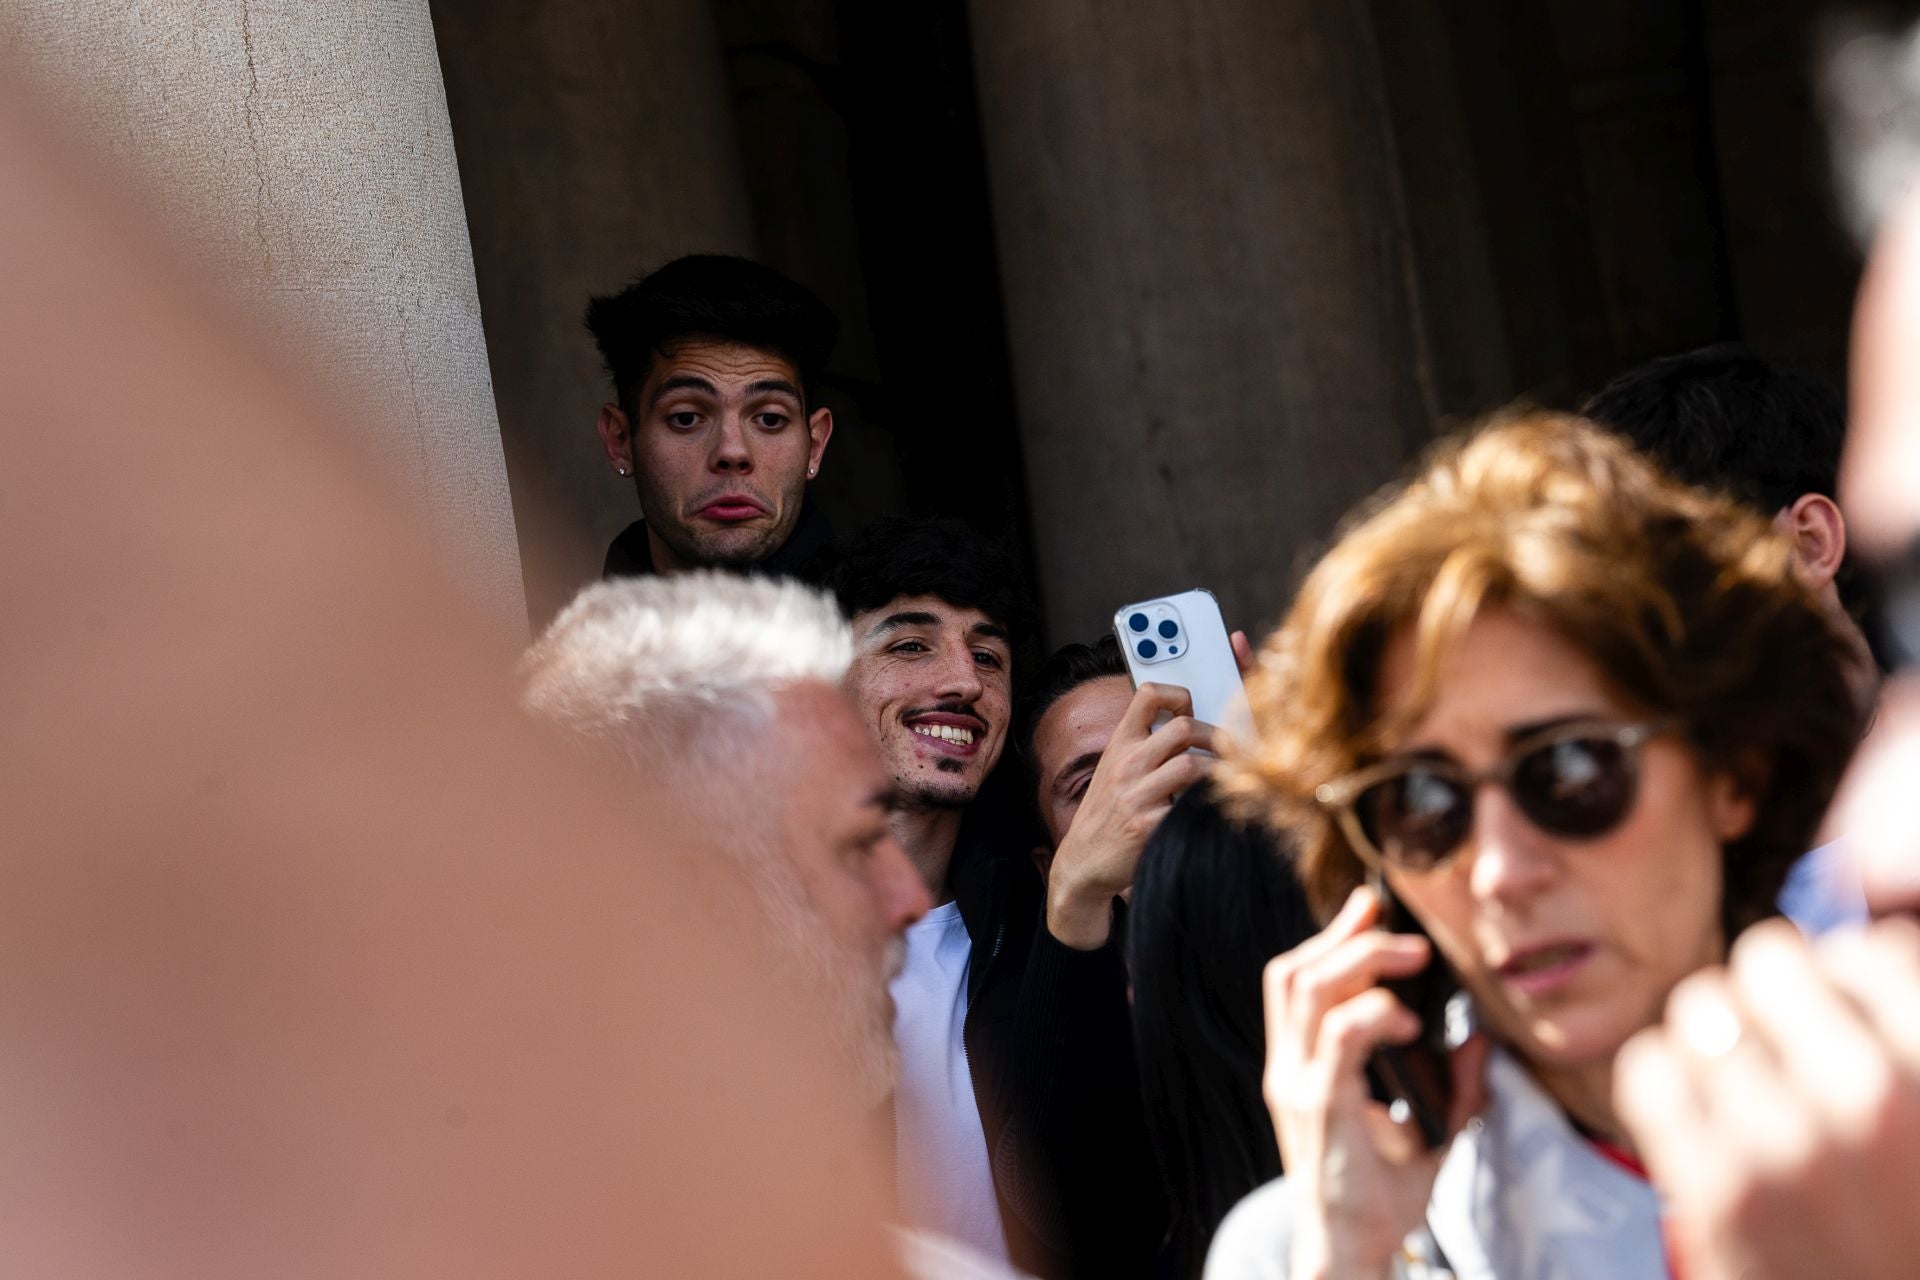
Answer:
(945, 732)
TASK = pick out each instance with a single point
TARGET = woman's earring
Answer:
(621, 470)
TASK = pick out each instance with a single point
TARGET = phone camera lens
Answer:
(1146, 648)
(1138, 622)
(1169, 629)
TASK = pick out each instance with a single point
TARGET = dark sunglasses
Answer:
(1577, 781)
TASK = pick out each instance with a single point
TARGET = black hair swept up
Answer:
(934, 556)
(1725, 417)
(709, 296)
(1066, 669)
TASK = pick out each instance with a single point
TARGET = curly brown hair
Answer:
(1686, 601)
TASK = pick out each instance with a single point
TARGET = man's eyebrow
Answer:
(905, 618)
(990, 630)
(680, 382)
(1085, 760)
(780, 385)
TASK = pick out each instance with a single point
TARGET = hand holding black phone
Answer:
(1415, 1080)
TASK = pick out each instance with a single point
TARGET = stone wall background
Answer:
(302, 150)
(1152, 292)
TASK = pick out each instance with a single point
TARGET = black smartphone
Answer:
(1417, 1075)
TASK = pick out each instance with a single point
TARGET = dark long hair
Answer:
(1212, 901)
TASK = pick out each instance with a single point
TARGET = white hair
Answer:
(664, 667)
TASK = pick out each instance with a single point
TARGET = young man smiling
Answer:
(938, 615)
(714, 361)
(1000, 1022)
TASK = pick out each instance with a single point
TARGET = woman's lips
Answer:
(1542, 970)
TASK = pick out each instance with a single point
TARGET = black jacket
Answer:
(629, 555)
(1050, 1049)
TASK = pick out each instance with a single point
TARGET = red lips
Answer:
(948, 733)
(731, 508)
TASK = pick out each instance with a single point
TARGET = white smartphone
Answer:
(1182, 640)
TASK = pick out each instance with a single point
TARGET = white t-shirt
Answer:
(940, 1150)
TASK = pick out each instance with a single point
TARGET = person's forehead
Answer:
(1504, 670)
(946, 615)
(721, 362)
(1081, 719)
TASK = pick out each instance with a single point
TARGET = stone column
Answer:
(1211, 302)
(597, 141)
(303, 148)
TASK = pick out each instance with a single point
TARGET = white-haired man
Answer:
(728, 690)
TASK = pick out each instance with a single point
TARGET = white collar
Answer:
(1523, 1196)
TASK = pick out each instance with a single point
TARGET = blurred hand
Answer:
(1141, 772)
(1873, 814)
(1880, 471)
(1242, 652)
(1362, 1181)
(1778, 1107)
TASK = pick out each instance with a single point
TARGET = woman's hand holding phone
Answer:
(1361, 1180)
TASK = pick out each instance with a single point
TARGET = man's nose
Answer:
(732, 446)
(902, 893)
(959, 675)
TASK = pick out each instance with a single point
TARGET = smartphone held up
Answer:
(1182, 640)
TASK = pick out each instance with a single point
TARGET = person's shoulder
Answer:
(1255, 1237)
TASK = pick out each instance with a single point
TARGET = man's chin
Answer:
(954, 793)
(733, 549)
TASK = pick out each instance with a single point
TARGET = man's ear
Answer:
(819, 430)
(1819, 534)
(616, 437)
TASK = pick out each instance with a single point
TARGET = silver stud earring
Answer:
(621, 470)
(810, 471)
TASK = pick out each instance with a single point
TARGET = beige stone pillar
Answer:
(597, 141)
(1209, 289)
(303, 148)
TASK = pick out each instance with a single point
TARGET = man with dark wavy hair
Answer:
(715, 363)
(938, 615)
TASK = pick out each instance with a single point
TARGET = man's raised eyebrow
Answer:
(680, 382)
(905, 618)
(991, 630)
(1085, 760)
(780, 385)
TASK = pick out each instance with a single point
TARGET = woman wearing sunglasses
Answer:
(1572, 723)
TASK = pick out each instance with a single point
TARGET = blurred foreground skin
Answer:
(1779, 1104)
(317, 960)
(1880, 480)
